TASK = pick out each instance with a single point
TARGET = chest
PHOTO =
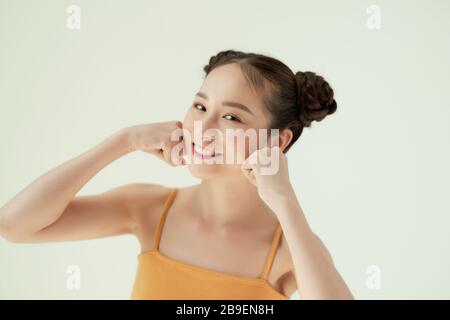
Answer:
(241, 252)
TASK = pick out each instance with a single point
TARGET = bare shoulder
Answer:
(146, 201)
(145, 198)
(142, 195)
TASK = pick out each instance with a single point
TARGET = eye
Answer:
(197, 104)
(233, 117)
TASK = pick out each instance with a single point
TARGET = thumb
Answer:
(246, 164)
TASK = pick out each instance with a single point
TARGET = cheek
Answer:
(252, 145)
(241, 147)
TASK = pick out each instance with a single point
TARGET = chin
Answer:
(206, 171)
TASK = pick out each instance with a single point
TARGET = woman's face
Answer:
(219, 119)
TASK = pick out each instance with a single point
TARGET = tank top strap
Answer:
(272, 252)
(167, 205)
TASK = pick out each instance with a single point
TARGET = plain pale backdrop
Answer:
(373, 179)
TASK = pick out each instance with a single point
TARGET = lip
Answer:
(202, 156)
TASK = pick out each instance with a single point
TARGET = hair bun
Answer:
(314, 97)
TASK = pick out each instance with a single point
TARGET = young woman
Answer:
(238, 234)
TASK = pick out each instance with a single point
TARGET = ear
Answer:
(284, 138)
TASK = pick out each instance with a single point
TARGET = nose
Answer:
(205, 141)
(205, 131)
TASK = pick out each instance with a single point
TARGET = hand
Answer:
(163, 139)
(272, 180)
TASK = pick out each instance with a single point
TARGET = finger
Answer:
(167, 154)
(160, 154)
(245, 170)
(178, 152)
(250, 175)
(247, 174)
(181, 157)
(246, 165)
(179, 124)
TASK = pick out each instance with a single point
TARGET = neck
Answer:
(232, 201)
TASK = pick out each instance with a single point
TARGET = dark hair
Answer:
(293, 100)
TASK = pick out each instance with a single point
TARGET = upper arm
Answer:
(288, 281)
(324, 249)
(105, 214)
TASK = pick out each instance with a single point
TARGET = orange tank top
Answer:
(159, 277)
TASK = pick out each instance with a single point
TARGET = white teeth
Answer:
(203, 152)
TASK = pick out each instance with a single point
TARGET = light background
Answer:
(373, 178)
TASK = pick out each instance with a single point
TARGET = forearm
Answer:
(316, 275)
(43, 201)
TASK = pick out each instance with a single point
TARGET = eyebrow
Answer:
(228, 103)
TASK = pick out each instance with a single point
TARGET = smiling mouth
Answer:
(202, 153)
